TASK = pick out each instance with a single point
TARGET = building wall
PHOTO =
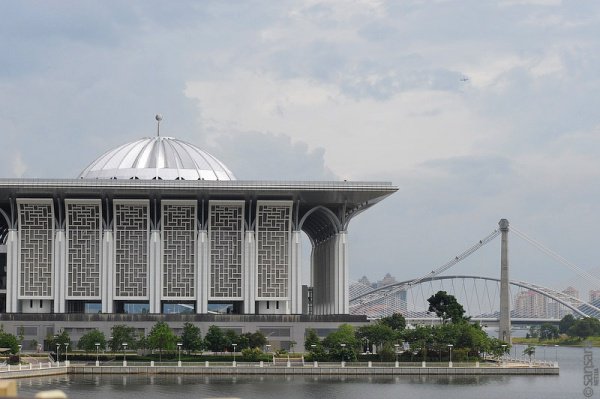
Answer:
(78, 254)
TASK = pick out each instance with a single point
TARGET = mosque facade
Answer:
(160, 227)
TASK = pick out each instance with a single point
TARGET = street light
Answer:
(367, 349)
(343, 357)
(124, 354)
(179, 353)
(57, 354)
(234, 345)
(19, 353)
(556, 354)
(450, 346)
(97, 352)
(396, 348)
(66, 353)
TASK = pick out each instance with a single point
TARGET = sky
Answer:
(477, 110)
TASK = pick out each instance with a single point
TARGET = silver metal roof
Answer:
(157, 158)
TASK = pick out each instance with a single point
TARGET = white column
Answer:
(155, 272)
(12, 263)
(342, 298)
(107, 271)
(60, 271)
(295, 274)
(249, 273)
(202, 274)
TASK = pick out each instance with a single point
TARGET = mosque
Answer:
(159, 229)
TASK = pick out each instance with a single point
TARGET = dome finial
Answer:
(158, 118)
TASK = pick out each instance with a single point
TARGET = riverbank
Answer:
(507, 368)
(569, 342)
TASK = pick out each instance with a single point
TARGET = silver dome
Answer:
(164, 158)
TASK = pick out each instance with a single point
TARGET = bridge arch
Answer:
(570, 302)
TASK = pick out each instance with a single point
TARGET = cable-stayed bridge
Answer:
(481, 296)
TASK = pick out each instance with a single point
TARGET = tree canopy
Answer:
(191, 339)
(122, 334)
(89, 340)
(447, 307)
(161, 337)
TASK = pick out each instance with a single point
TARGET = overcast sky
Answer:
(477, 110)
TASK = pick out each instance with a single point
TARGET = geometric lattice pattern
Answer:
(226, 231)
(36, 230)
(273, 243)
(131, 249)
(179, 254)
(84, 240)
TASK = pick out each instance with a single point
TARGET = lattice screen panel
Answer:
(84, 240)
(179, 253)
(226, 232)
(273, 249)
(131, 249)
(36, 234)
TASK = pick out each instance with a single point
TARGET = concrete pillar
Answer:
(340, 280)
(504, 330)
(12, 272)
(107, 271)
(249, 273)
(296, 273)
(202, 273)
(155, 272)
(60, 271)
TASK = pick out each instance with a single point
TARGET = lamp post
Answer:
(124, 344)
(367, 349)
(269, 351)
(66, 353)
(396, 348)
(179, 354)
(234, 345)
(97, 352)
(57, 354)
(450, 346)
(343, 357)
(19, 355)
(503, 352)
(556, 355)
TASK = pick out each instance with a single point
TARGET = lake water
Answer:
(569, 384)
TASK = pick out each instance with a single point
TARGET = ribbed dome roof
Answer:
(164, 158)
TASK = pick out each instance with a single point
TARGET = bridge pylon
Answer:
(504, 330)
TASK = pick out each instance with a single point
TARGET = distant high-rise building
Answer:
(571, 291)
(387, 280)
(594, 296)
(365, 281)
(530, 304)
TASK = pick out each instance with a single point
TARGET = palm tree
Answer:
(529, 351)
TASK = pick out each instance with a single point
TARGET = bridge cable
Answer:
(392, 288)
(582, 273)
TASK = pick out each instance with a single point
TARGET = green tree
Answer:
(377, 333)
(191, 339)
(566, 323)
(122, 334)
(529, 351)
(8, 340)
(89, 340)
(258, 340)
(447, 307)
(311, 339)
(231, 338)
(215, 339)
(396, 322)
(161, 337)
(61, 339)
(342, 344)
(585, 327)
(548, 331)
